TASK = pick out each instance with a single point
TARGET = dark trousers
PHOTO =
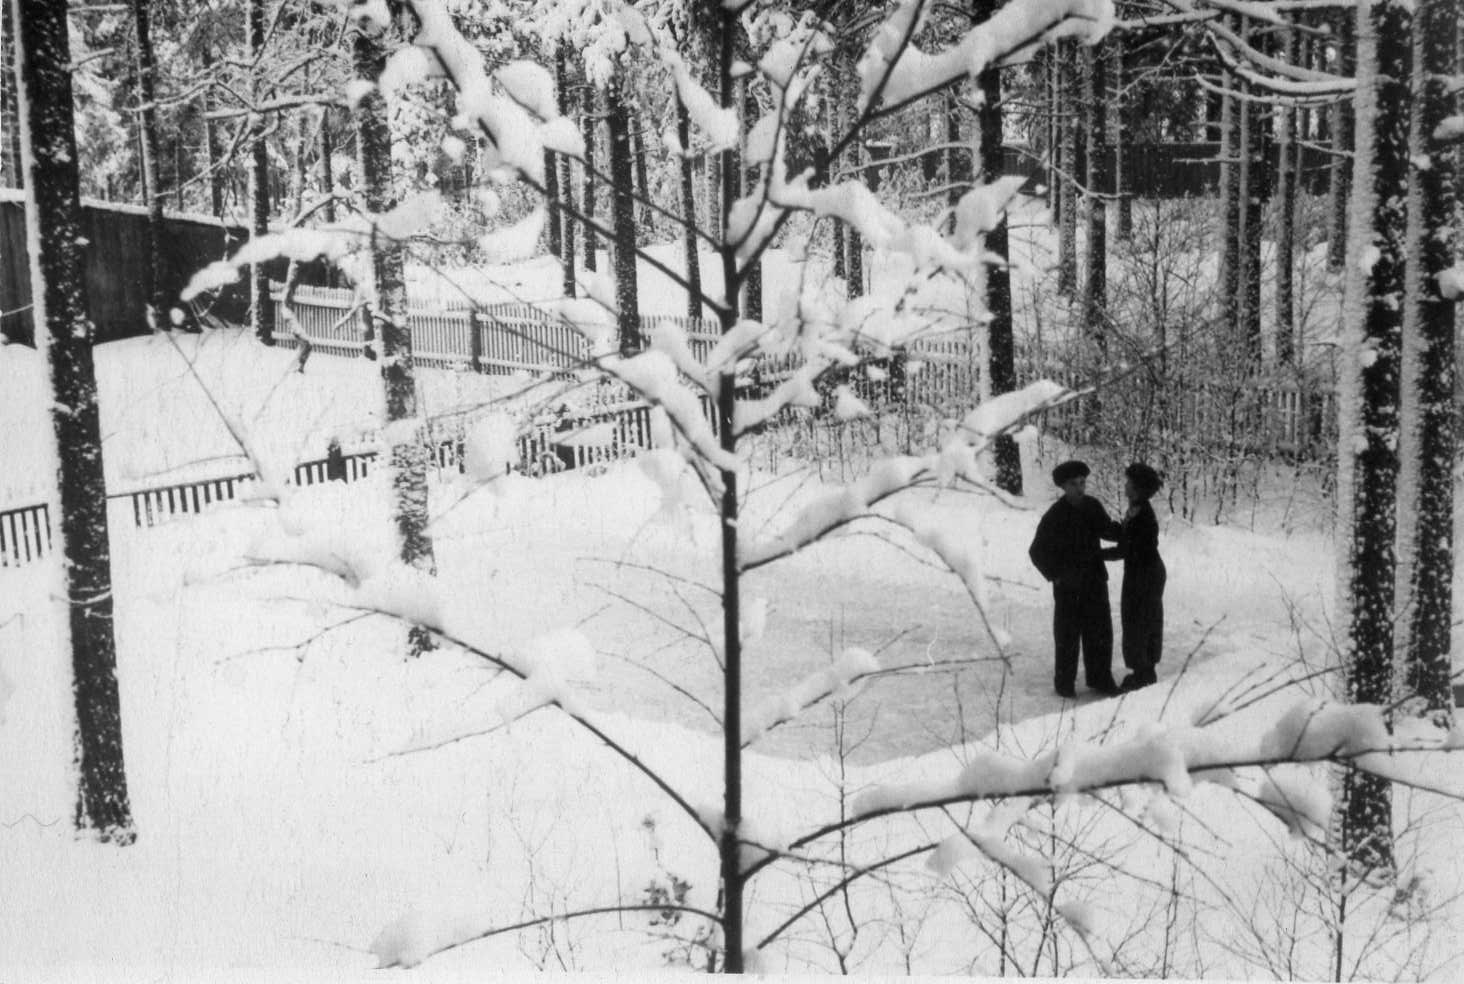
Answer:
(1141, 611)
(1081, 618)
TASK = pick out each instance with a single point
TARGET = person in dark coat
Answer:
(1141, 603)
(1067, 552)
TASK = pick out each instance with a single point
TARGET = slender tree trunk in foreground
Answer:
(157, 293)
(408, 453)
(64, 335)
(688, 209)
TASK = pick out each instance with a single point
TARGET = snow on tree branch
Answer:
(893, 71)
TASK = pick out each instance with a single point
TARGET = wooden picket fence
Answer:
(25, 534)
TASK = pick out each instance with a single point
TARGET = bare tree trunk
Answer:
(157, 294)
(566, 171)
(1254, 181)
(1056, 163)
(587, 196)
(408, 454)
(1001, 359)
(688, 209)
(1287, 177)
(1368, 456)
(753, 281)
(732, 879)
(1095, 283)
(1429, 366)
(644, 223)
(64, 335)
(1343, 126)
(261, 309)
(1120, 115)
(1228, 279)
(627, 295)
(211, 144)
(1070, 123)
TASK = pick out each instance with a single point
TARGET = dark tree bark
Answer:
(688, 209)
(1228, 279)
(1287, 178)
(157, 292)
(1095, 283)
(1120, 115)
(623, 205)
(1343, 127)
(566, 171)
(643, 221)
(1380, 176)
(211, 144)
(1001, 356)
(1254, 190)
(261, 309)
(1070, 125)
(58, 289)
(587, 196)
(551, 198)
(408, 456)
(752, 290)
(1430, 363)
(1052, 91)
(732, 880)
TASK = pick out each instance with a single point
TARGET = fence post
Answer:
(475, 342)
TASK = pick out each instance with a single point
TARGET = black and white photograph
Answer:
(642, 489)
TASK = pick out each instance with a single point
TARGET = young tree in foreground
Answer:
(64, 335)
(386, 306)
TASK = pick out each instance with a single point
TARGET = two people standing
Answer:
(1067, 552)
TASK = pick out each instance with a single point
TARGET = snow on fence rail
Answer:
(551, 445)
(519, 337)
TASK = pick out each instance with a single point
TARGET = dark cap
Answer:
(1069, 470)
(1145, 479)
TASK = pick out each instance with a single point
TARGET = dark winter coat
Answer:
(1066, 552)
(1141, 604)
(1066, 548)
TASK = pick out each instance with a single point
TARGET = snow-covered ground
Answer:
(302, 792)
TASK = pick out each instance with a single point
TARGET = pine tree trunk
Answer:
(752, 280)
(1343, 126)
(1070, 123)
(1368, 457)
(64, 335)
(1120, 114)
(645, 223)
(623, 206)
(11, 167)
(1095, 283)
(157, 294)
(1001, 358)
(261, 308)
(408, 453)
(1254, 181)
(566, 171)
(1056, 165)
(211, 144)
(688, 209)
(1287, 178)
(1429, 366)
(587, 196)
(551, 202)
(1228, 279)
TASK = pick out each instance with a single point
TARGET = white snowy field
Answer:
(300, 788)
(309, 804)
